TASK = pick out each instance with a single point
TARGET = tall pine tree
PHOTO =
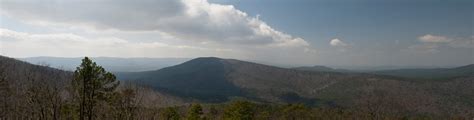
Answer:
(92, 84)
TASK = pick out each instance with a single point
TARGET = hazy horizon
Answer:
(69, 63)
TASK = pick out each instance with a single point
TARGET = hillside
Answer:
(27, 88)
(435, 73)
(219, 80)
(24, 86)
(19, 72)
(224, 78)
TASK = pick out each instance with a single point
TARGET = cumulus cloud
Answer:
(432, 43)
(434, 39)
(196, 20)
(337, 43)
(463, 42)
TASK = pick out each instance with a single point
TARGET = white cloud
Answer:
(452, 42)
(434, 39)
(145, 28)
(432, 43)
(196, 20)
(21, 44)
(337, 43)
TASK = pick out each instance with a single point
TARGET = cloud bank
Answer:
(196, 20)
(21, 44)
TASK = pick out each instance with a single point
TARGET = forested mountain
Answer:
(20, 71)
(412, 73)
(434, 73)
(27, 88)
(29, 91)
(221, 79)
(218, 80)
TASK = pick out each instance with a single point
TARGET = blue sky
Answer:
(363, 20)
(386, 26)
(295, 32)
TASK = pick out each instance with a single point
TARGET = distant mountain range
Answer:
(434, 73)
(109, 63)
(413, 73)
(216, 80)
(149, 64)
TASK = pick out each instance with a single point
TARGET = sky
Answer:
(292, 32)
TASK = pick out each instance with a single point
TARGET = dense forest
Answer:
(90, 92)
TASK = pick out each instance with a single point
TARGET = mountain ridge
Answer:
(433, 73)
(229, 78)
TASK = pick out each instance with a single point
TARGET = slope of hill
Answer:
(435, 73)
(19, 72)
(465, 69)
(110, 63)
(202, 78)
(218, 80)
(19, 81)
(23, 85)
(227, 78)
